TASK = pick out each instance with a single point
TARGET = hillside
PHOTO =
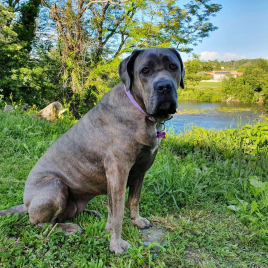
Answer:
(239, 65)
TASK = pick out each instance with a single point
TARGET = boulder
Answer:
(8, 108)
(52, 111)
(23, 107)
(260, 100)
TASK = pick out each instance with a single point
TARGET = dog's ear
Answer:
(126, 68)
(182, 68)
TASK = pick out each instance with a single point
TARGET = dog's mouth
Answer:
(164, 109)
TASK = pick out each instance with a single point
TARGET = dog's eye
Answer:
(173, 67)
(145, 70)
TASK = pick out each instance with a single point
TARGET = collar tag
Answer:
(161, 135)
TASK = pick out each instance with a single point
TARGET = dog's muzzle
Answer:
(164, 99)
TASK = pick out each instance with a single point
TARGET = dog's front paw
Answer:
(119, 247)
(142, 223)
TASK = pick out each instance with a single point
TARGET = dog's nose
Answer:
(164, 86)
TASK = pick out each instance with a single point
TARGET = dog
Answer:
(109, 149)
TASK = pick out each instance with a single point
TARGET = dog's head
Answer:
(154, 75)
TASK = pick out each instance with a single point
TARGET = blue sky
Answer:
(242, 32)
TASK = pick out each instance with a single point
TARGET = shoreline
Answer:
(223, 110)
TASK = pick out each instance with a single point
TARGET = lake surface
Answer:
(212, 120)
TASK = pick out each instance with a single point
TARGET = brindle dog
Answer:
(109, 149)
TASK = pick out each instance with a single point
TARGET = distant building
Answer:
(217, 76)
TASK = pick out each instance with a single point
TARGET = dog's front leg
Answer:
(117, 180)
(133, 204)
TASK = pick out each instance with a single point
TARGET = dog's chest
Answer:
(155, 146)
(147, 154)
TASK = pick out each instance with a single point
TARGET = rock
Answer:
(8, 108)
(52, 111)
(153, 234)
(260, 100)
(62, 111)
(23, 107)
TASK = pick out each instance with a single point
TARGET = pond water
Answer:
(212, 120)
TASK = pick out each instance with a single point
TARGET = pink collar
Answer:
(159, 134)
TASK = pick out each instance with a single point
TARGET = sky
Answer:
(242, 32)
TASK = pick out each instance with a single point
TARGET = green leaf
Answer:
(255, 182)
(254, 206)
(234, 208)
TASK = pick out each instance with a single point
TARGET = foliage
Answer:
(223, 110)
(238, 88)
(257, 76)
(239, 65)
(254, 209)
(206, 95)
(36, 82)
(113, 28)
(194, 179)
(104, 76)
(25, 26)
(195, 71)
(248, 140)
(251, 87)
(20, 77)
(85, 37)
(11, 54)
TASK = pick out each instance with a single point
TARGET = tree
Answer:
(89, 36)
(92, 31)
(27, 79)
(252, 86)
(216, 65)
(75, 41)
(11, 49)
(257, 75)
(25, 26)
(195, 71)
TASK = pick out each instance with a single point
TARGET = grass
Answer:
(207, 190)
(214, 92)
(225, 110)
(212, 85)
(204, 91)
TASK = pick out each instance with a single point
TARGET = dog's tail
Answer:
(20, 209)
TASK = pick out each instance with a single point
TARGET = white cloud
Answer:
(206, 55)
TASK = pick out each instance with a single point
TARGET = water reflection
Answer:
(219, 120)
(185, 105)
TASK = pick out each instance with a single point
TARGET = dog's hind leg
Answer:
(50, 204)
(67, 228)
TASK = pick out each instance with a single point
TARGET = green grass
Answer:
(212, 85)
(202, 191)
(226, 110)
(204, 91)
(207, 93)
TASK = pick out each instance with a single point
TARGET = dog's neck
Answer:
(159, 134)
(139, 100)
